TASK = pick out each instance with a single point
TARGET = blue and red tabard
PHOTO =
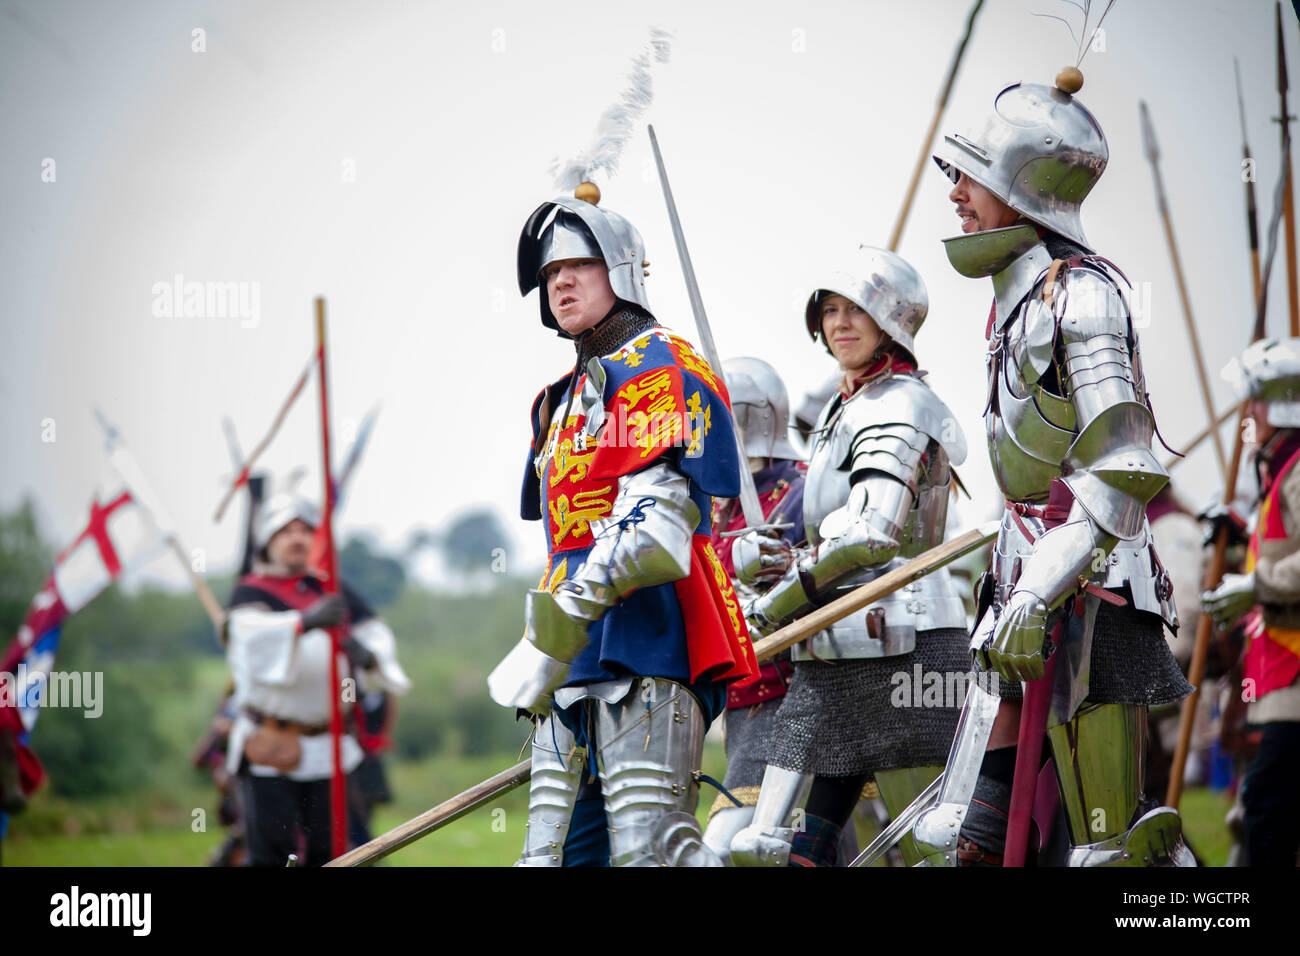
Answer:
(662, 403)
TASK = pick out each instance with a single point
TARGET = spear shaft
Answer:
(940, 105)
(1248, 180)
(1288, 200)
(338, 786)
(1152, 150)
(1214, 573)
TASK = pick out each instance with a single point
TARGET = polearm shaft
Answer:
(940, 105)
(1214, 573)
(243, 470)
(874, 590)
(437, 817)
(338, 784)
(1200, 436)
(1153, 155)
(768, 647)
(1288, 195)
(1248, 180)
(753, 511)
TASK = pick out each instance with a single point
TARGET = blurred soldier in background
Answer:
(1268, 595)
(278, 647)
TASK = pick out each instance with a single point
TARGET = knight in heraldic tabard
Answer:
(635, 632)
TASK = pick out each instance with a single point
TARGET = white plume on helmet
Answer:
(616, 124)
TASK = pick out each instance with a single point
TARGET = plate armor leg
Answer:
(557, 772)
(1100, 757)
(766, 841)
(649, 746)
(937, 830)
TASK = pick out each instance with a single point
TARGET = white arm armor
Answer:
(886, 471)
(1109, 467)
(646, 541)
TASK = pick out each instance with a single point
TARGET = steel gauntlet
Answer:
(1063, 560)
(853, 538)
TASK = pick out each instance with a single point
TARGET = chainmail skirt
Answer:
(849, 717)
(747, 731)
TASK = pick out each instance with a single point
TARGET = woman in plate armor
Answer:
(862, 704)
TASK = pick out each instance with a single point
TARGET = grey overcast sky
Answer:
(386, 154)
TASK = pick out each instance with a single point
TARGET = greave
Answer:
(1100, 757)
(898, 788)
(766, 841)
(558, 765)
(649, 746)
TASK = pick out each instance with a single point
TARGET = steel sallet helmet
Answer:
(576, 228)
(1040, 151)
(886, 287)
(278, 511)
(1269, 371)
(761, 407)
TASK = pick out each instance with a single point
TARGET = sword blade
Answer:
(748, 493)
(900, 825)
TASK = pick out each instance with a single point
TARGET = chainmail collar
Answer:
(1061, 247)
(623, 322)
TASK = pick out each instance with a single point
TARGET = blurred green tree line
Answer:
(158, 655)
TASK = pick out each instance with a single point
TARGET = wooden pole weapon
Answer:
(940, 105)
(1152, 150)
(338, 784)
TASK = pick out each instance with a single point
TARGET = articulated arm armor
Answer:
(877, 487)
(646, 541)
(862, 533)
(1110, 467)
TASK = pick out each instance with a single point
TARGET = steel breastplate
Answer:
(930, 603)
(826, 488)
(1029, 428)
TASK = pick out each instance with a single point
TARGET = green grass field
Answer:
(157, 829)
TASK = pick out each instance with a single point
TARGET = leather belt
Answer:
(307, 730)
(970, 854)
